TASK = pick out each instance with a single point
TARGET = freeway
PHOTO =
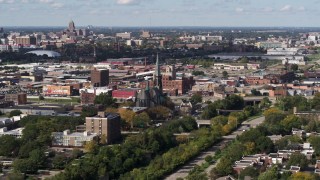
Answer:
(183, 171)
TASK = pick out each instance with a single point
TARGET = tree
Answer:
(105, 99)
(159, 113)
(265, 103)
(225, 74)
(59, 161)
(76, 153)
(91, 146)
(270, 174)
(141, 120)
(316, 101)
(255, 92)
(249, 171)
(244, 60)
(15, 112)
(196, 98)
(224, 167)
(41, 98)
(127, 115)
(298, 159)
(209, 112)
(291, 121)
(294, 67)
(9, 146)
(89, 111)
(304, 176)
(315, 142)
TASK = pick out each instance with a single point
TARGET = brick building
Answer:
(107, 124)
(18, 99)
(87, 98)
(99, 78)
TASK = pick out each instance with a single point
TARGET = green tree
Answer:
(76, 153)
(209, 112)
(91, 147)
(59, 161)
(291, 121)
(141, 120)
(105, 99)
(294, 67)
(41, 98)
(298, 159)
(225, 74)
(270, 174)
(9, 146)
(265, 103)
(196, 98)
(244, 60)
(255, 92)
(249, 171)
(89, 111)
(224, 167)
(15, 113)
(304, 176)
(316, 101)
(315, 142)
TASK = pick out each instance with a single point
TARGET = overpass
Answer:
(203, 123)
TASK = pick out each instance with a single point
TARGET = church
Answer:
(152, 96)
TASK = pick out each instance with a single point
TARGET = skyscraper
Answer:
(71, 26)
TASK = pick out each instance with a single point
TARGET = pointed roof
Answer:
(158, 72)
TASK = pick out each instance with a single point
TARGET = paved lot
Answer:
(184, 170)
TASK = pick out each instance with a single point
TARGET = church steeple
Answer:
(158, 77)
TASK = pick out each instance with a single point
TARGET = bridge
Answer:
(203, 123)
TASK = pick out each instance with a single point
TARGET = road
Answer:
(184, 170)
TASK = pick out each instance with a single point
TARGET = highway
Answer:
(185, 169)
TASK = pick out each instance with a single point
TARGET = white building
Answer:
(96, 90)
(283, 51)
(76, 139)
(17, 133)
(299, 60)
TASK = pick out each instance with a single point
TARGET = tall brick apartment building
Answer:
(99, 78)
(108, 124)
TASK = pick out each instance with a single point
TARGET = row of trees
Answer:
(302, 103)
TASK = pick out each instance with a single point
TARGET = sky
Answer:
(146, 13)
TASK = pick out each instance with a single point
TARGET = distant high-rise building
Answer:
(26, 40)
(99, 77)
(71, 26)
(125, 35)
(145, 34)
(1, 30)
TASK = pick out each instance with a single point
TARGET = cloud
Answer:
(239, 10)
(286, 8)
(128, 2)
(267, 9)
(45, 1)
(301, 8)
(57, 5)
(7, 1)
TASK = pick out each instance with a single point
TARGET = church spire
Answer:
(158, 77)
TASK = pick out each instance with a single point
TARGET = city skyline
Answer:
(215, 13)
